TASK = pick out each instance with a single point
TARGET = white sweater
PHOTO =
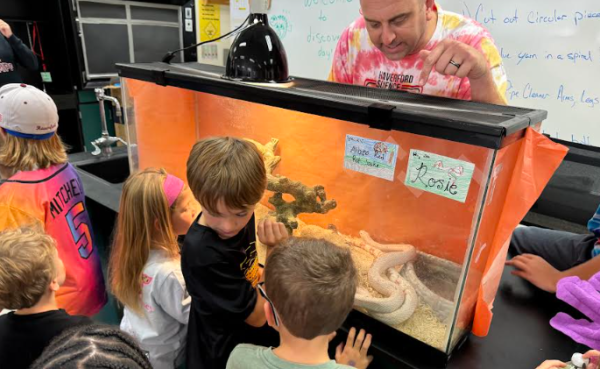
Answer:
(162, 329)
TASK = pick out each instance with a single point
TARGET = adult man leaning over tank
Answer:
(414, 45)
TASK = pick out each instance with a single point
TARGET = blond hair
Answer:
(27, 267)
(144, 223)
(226, 169)
(24, 154)
(312, 284)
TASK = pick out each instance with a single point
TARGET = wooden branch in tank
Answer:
(268, 152)
(306, 199)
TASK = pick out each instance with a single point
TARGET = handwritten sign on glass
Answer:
(372, 157)
(440, 175)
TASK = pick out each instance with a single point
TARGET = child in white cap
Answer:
(39, 186)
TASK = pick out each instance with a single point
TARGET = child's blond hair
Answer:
(144, 223)
(27, 267)
(24, 154)
(226, 169)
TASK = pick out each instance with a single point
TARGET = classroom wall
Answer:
(550, 48)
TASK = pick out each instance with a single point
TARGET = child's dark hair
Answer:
(311, 283)
(93, 346)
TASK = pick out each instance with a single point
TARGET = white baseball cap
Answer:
(27, 112)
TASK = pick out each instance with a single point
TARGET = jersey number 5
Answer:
(80, 230)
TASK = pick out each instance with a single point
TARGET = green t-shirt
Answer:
(247, 356)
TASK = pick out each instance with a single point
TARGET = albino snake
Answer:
(400, 299)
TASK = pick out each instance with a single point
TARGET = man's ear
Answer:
(429, 12)
(270, 316)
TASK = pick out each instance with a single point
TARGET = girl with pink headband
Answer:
(145, 267)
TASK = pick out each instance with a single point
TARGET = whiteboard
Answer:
(550, 48)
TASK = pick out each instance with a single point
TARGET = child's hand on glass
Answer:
(270, 233)
(354, 353)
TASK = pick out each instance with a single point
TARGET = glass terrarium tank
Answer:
(416, 187)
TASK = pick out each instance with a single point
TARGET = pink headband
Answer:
(172, 187)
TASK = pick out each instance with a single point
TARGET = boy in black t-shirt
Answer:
(218, 257)
(30, 274)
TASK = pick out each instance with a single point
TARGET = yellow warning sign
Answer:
(210, 21)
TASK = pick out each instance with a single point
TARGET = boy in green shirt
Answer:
(309, 290)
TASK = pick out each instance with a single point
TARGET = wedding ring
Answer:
(452, 62)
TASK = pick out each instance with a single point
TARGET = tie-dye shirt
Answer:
(53, 198)
(594, 227)
(357, 61)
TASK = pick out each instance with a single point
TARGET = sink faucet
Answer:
(103, 145)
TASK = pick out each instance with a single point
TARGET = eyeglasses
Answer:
(264, 295)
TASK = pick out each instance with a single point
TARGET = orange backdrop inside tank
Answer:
(170, 120)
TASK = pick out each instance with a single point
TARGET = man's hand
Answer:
(354, 353)
(271, 233)
(453, 58)
(551, 364)
(536, 270)
(5, 29)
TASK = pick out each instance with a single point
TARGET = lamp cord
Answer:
(171, 54)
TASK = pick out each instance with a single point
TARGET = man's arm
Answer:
(485, 90)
